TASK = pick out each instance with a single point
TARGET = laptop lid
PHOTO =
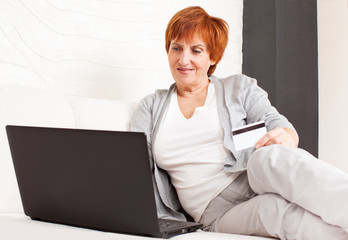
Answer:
(88, 178)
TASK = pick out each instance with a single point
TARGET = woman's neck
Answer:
(185, 91)
(191, 98)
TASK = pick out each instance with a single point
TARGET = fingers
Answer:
(276, 136)
(268, 139)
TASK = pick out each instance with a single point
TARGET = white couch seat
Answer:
(18, 226)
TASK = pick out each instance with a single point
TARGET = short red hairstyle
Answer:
(194, 22)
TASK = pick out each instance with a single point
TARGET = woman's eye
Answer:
(196, 51)
(175, 49)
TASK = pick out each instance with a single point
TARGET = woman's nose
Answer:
(184, 58)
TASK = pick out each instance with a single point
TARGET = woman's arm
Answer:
(258, 107)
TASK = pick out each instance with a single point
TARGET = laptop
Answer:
(89, 178)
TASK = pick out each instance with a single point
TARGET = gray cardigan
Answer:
(239, 101)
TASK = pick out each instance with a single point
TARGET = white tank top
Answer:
(192, 152)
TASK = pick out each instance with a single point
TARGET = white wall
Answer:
(103, 49)
(98, 48)
(333, 81)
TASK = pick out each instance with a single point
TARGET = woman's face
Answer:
(189, 62)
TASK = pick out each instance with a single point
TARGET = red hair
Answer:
(194, 22)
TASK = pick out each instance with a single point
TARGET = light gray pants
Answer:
(285, 193)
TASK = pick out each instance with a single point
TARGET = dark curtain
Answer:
(280, 51)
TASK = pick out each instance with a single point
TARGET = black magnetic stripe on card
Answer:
(247, 129)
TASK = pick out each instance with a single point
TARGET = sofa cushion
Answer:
(31, 107)
(29, 229)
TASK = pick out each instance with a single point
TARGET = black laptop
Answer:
(89, 178)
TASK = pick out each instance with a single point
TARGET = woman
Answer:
(271, 190)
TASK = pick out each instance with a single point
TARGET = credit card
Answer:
(248, 135)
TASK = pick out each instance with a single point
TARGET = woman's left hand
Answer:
(283, 136)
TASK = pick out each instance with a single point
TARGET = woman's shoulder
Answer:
(158, 96)
(234, 81)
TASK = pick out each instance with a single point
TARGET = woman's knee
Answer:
(265, 156)
(269, 166)
(259, 165)
(275, 155)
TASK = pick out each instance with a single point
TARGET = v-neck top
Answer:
(192, 152)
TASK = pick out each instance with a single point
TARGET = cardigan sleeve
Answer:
(141, 120)
(258, 107)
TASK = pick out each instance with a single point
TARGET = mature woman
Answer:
(273, 189)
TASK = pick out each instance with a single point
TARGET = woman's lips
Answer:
(185, 70)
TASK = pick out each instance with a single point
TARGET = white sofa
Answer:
(27, 106)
